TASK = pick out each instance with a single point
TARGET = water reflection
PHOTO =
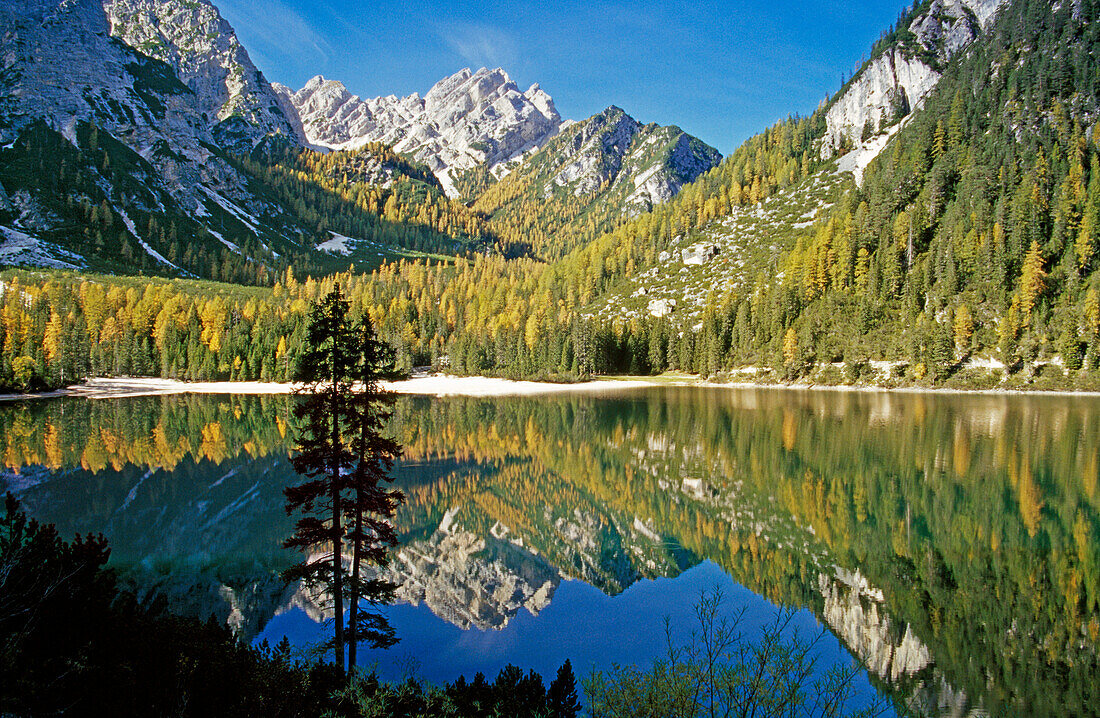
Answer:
(950, 542)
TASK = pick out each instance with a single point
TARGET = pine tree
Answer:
(326, 370)
(561, 697)
(372, 507)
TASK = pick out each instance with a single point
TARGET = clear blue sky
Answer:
(720, 70)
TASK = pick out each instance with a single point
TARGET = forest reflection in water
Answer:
(951, 542)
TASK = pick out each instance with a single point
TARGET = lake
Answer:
(950, 544)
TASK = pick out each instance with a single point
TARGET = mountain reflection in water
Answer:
(951, 543)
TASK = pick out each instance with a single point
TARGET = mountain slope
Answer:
(203, 50)
(904, 67)
(87, 121)
(590, 178)
(973, 235)
(465, 120)
(110, 162)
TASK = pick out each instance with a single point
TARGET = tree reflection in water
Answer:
(952, 543)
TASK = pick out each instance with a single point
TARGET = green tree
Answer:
(719, 672)
(371, 507)
(561, 697)
(326, 369)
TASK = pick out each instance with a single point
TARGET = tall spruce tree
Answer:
(342, 454)
(372, 507)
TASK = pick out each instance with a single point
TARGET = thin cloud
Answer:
(277, 33)
(480, 45)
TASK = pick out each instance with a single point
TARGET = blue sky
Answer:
(720, 70)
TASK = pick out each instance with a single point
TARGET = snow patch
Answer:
(224, 241)
(69, 132)
(249, 220)
(337, 245)
(144, 245)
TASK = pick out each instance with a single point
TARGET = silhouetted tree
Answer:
(561, 697)
(344, 457)
(372, 507)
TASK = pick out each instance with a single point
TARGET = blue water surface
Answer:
(593, 630)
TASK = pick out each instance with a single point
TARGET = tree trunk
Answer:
(356, 554)
(337, 531)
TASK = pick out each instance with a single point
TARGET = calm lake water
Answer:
(950, 544)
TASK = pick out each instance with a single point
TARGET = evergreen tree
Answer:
(561, 697)
(326, 369)
(372, 507)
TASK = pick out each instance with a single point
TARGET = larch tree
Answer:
(1032, 279)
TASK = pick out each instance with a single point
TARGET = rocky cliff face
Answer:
(121, 128)
(62, 67)
(853, 609)
(856, 613)
(647, 164)
(203, 50)
(470, 580)
(898, 79)
(465, 120)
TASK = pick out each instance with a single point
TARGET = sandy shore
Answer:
(447, 385)
(427, 384)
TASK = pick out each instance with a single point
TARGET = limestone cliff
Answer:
(192, 37)
(902, 73)
(465, 120)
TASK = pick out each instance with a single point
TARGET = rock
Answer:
(896, 82)
(595, 151)
(646, 164)
(465, 120)
(661, 307)
(471, 581)
(855, 612)
(699, 253)
(195, 41)
(685, 158)
(66, 69)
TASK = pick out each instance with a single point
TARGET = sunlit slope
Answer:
(728, 258)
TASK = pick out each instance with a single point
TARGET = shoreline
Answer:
(482, 386)
(425, 384)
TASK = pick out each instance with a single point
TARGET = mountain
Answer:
(954, 243)
(590, 178)
(965, 253)
(904, 67)
(464, 121)
(137, 137)
(203, 50)
(87, 122)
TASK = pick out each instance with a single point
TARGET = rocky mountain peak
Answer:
(465, 120)
(194, 39)
(651, 162)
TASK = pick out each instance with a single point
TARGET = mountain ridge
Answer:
(204, 51)
(464, 120)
